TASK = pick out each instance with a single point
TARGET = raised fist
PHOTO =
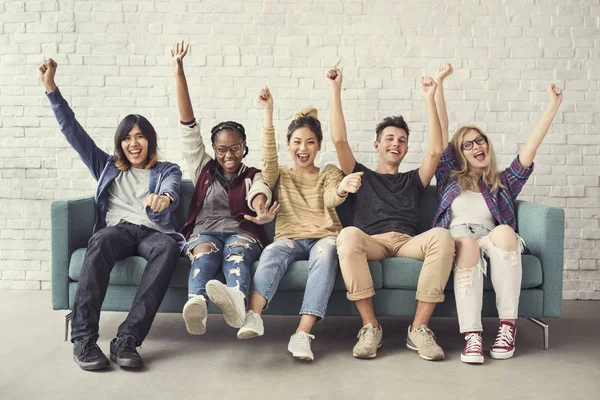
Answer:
(265, 99)
(443, 71)
(334, 78)
(428, 86)
(47, 72)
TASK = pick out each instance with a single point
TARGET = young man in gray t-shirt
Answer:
(385, 223)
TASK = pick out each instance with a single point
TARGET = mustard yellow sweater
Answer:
(307, 206)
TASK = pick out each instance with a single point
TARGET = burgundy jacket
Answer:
(238, 205)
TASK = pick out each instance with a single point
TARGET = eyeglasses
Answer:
(468, 145)
(234, 148)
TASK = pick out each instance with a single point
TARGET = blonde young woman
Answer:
(306, 226)
(477, 204)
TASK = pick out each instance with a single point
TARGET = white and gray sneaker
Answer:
(194, 315)
(229, 300)
(253, 326)
(299, 346)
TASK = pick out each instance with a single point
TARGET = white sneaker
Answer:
(299, 346)
(253, 326)
(194, 315)
(229, 300)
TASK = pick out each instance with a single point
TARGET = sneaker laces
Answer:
(474, 343)
(366, 334)
(505, 337)
(304, 338)
(427, 334)
(89, 345)
(127, 343)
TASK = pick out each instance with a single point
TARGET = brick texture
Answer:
(113, 60)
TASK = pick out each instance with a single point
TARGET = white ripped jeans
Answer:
(506, 273)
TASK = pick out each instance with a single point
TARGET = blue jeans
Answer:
(322, 268)
(233, 254)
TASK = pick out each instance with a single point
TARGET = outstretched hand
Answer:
(47, 72)
(554, 95)
(334, 78)
(428, 87)
(177, 55)
(265, 99)
(351, 183)
(264, 215)
(444, 70)
(158, 203)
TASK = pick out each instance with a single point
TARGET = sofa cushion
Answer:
(403, 273)
(129, 272)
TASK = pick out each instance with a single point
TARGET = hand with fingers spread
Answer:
(334, 78)
(158, 203)
(177, 55)
(428, 87)
(350, 183)
(265, 99)
(264, 214)
(47, 72)
(554, 95)
(444, 70)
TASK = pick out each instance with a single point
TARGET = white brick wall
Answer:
(113, 60)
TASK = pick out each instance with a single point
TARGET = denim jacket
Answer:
(164, 177)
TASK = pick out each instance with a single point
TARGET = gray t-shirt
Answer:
(127, 197)
(214, 216)
(387, 203)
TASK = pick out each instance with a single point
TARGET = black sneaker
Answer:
(88, 355)
(123, 352)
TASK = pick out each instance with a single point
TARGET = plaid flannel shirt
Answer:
(501, 202)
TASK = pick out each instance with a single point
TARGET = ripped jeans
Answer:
(506, 272)
(233, 254)
(322, 269)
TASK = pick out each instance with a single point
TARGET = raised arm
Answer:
(186, 112)
(192, 146)
(443, 71)
(92, 156)
(434, 134)
(535, 138)
(270, 162)
(338, 124)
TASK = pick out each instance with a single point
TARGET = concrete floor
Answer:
(35, 363)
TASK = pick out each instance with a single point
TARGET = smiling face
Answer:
(392, 145)
(476, 154)
(303, 146)
(229, 148)
(135, 147)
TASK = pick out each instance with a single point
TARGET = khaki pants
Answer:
(435, 247)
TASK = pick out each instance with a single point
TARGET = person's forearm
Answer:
(440, 102)
(434, 131)
(186, 112)
(338, 123)
(49, 86)
(537, 136)
(268, 118)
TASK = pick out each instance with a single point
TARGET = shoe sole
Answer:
(126, 363)
(91, 366)
(193, 315)
(423, 356)
(302, 356)
(503, 355)
(218, 295)
(369, 356)
(248, 334)
(471, 359)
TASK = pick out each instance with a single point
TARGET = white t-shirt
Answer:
(470, 208)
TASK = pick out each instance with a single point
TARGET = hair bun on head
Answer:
(307, 112)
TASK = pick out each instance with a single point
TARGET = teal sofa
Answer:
(395, 279)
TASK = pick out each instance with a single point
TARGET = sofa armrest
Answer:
(72, 223)
(543, 229)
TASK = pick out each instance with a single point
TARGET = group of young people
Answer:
(474, 227)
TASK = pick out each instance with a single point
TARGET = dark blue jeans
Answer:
(233, 254)
(112, 244)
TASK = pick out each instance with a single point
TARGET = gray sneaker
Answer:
(194, 315)
(369, 340)
(253, 326)
(299, 346)
(230, 300)
(423, 341)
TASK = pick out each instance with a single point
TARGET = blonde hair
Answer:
(468, 179)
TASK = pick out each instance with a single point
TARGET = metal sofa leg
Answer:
(67, 319)
(544, 326)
